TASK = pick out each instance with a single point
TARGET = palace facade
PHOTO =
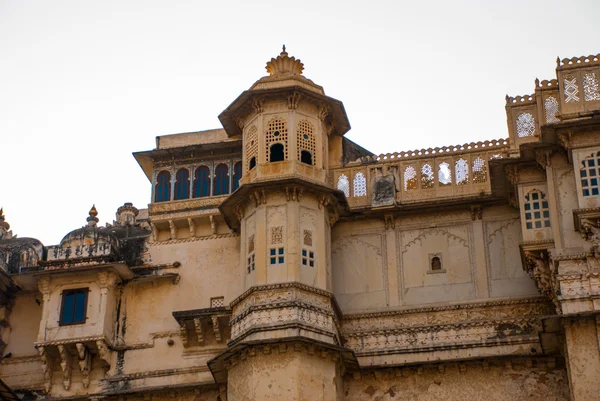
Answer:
(279, 260)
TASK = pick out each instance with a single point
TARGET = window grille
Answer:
(525, 125)
(590, 174)
(591, 92)
(251, 147)
(479, 171)
(360, 184)
(426, 176)
(461, 172)
(276, 133)
(410, 178)
(308, 258)
(571, 91)
(276, 256)
(344, 185)
(551, 109)
(537, 212)
(444, 174)
(306, 142)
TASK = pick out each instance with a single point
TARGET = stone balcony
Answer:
(422, 176)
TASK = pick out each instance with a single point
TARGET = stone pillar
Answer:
(583, 357)
(291, 372)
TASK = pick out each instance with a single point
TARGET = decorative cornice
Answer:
(158, 373)
(281, 286)
(279, 305)
(535, 300)
(194, 239)
(440, 327)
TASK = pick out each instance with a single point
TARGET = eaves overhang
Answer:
(227, 207)
(228, 116)
(147, 158)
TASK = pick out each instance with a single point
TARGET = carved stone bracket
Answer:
(65, 365)
(213, 224)
(389, 220)
(512, 173)
(476, 212)
(294, 100)
(587, 222)
(194, 325)
(192, 226)
(258, 105)
(293, 193)
(258, 197)
(63, 353)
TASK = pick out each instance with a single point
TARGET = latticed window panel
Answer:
(537, 212)
(306, 140)
(410, 178)
(525, 125)
(344, 185)
(444, 174)
(461, 172)
(590, 174)
(360, 184)
(551, 109)
(426, 176)
(590, 87)
(570, 89)
(217, 302)
(479, 171)
(251, 145)
(276, 133)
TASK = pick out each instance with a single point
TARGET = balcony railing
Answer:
(424, 175)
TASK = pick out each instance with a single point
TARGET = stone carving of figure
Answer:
(540, 272)
(594, 237)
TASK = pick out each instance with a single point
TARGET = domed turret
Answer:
(90, 234)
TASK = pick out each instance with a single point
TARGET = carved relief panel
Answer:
(436, 264)
(359, 271)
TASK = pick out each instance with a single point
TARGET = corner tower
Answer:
(284, 209)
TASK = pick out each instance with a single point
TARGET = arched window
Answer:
(252, 147)
(426, 176)
(306, 157)
(202, 182)
(410, 178)
(182, 184)
(551, 107)
(276, 133)
(344, 185)
(590, 174)
(479, 171)
(461, 172)
(525, 125)
(436, 263)
(444, 174)
(306, 143)
(162, 191)
(221, 182)
(537, 212)
(276, 153)
(237, 174)
(360, 184)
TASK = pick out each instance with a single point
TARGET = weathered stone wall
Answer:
(456, 383)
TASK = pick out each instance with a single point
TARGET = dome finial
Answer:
(92, 219)
(284, 65)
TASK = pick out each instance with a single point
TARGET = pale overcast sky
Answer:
(83, 84)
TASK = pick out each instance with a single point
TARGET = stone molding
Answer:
(194, 239)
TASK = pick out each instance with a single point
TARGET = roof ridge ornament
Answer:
(284, 65)
(4, 227)
(92, 219)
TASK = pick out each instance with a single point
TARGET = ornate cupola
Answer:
(286, 122)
